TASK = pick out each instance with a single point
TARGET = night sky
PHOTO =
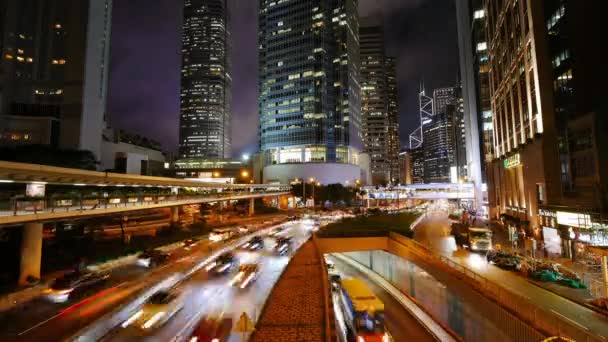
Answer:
(145, 63)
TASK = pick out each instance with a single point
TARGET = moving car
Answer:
(255, 243)
(212, 329)
(190, 243)
(64, 286)
(223, 264)
(152, 258)
(248, 273)
(276, 231)
(221, 234)
(283, 245)
(157, 310)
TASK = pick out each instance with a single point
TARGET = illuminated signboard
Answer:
(574, 219)
(512, 161)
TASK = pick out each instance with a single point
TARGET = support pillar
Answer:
(174, 214)
(605, 273)
(31, 252)
(251, 206)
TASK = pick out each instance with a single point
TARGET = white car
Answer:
(157, 310)
(247, 274)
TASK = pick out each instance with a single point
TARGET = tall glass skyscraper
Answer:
(309, 90)
(205, 114)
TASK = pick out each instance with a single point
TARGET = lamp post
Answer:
(312, 181)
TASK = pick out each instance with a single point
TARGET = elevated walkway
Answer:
(296, 309)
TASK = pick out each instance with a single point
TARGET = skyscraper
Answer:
(547, 87)
(474, 73)
(54, 72)
(444, 138)
(309, 100)
(204, 131)
(379, 104)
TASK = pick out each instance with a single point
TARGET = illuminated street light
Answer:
(216, 174)
(244, 173)
(245, 156)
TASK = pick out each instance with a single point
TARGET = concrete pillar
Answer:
(174, 214)
(605, 272)
(251, 206)
(31, 251)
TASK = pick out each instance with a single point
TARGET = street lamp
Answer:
(312, 180)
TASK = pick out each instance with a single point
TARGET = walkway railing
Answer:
(550, 322)
(23, 207)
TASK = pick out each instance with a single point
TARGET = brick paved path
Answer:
(294, 310)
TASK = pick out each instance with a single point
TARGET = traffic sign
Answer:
(245, 324)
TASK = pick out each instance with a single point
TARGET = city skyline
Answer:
(163, 109)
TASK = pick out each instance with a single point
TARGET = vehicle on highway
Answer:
(190, 242)
(276, 231)
(223, 264)
(157, 310)
(476, 239)
(221, 234)
(212, 329)
(283, 245)
(363, 312)
(243, 229)
(63, 287)
(248, 273)
(255, 243)
(152, 258)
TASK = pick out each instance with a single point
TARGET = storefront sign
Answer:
(512, 161)
(548, 213)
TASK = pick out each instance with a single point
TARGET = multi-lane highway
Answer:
(43, 320)
(209, 296)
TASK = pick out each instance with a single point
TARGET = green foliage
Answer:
(47, 155)
(333, 193)
(372, 225)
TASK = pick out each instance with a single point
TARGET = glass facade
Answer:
(205, 84)
(309, 101)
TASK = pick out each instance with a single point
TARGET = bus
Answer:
(363, 312)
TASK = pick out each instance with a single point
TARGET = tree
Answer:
(47, 155)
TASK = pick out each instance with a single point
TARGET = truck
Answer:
(476, 239)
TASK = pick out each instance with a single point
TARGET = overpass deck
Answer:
(14, 217)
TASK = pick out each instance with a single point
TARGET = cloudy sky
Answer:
(145, 63)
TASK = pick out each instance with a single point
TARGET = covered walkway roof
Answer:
(27, 173)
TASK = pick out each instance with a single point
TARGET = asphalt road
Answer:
(434, 232)
(401, 325)
(210, 296)
(42, 320)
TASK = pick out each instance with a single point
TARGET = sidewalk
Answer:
(559, 299)
(294, 310)
(593, 280)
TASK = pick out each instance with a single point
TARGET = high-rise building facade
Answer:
(546, 81)
(474, 73)
(205, 114)
(379, 105)
(309, 101)
(394, 143)
(54, 72)
(444, 138)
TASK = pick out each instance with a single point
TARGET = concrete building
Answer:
(205, 112)
(215, 171)
(122, 152)
(405, 168)
(378, 103)
(309, 100)
(54, 67)
(417, 163)
(474, 73)
(546, 85)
